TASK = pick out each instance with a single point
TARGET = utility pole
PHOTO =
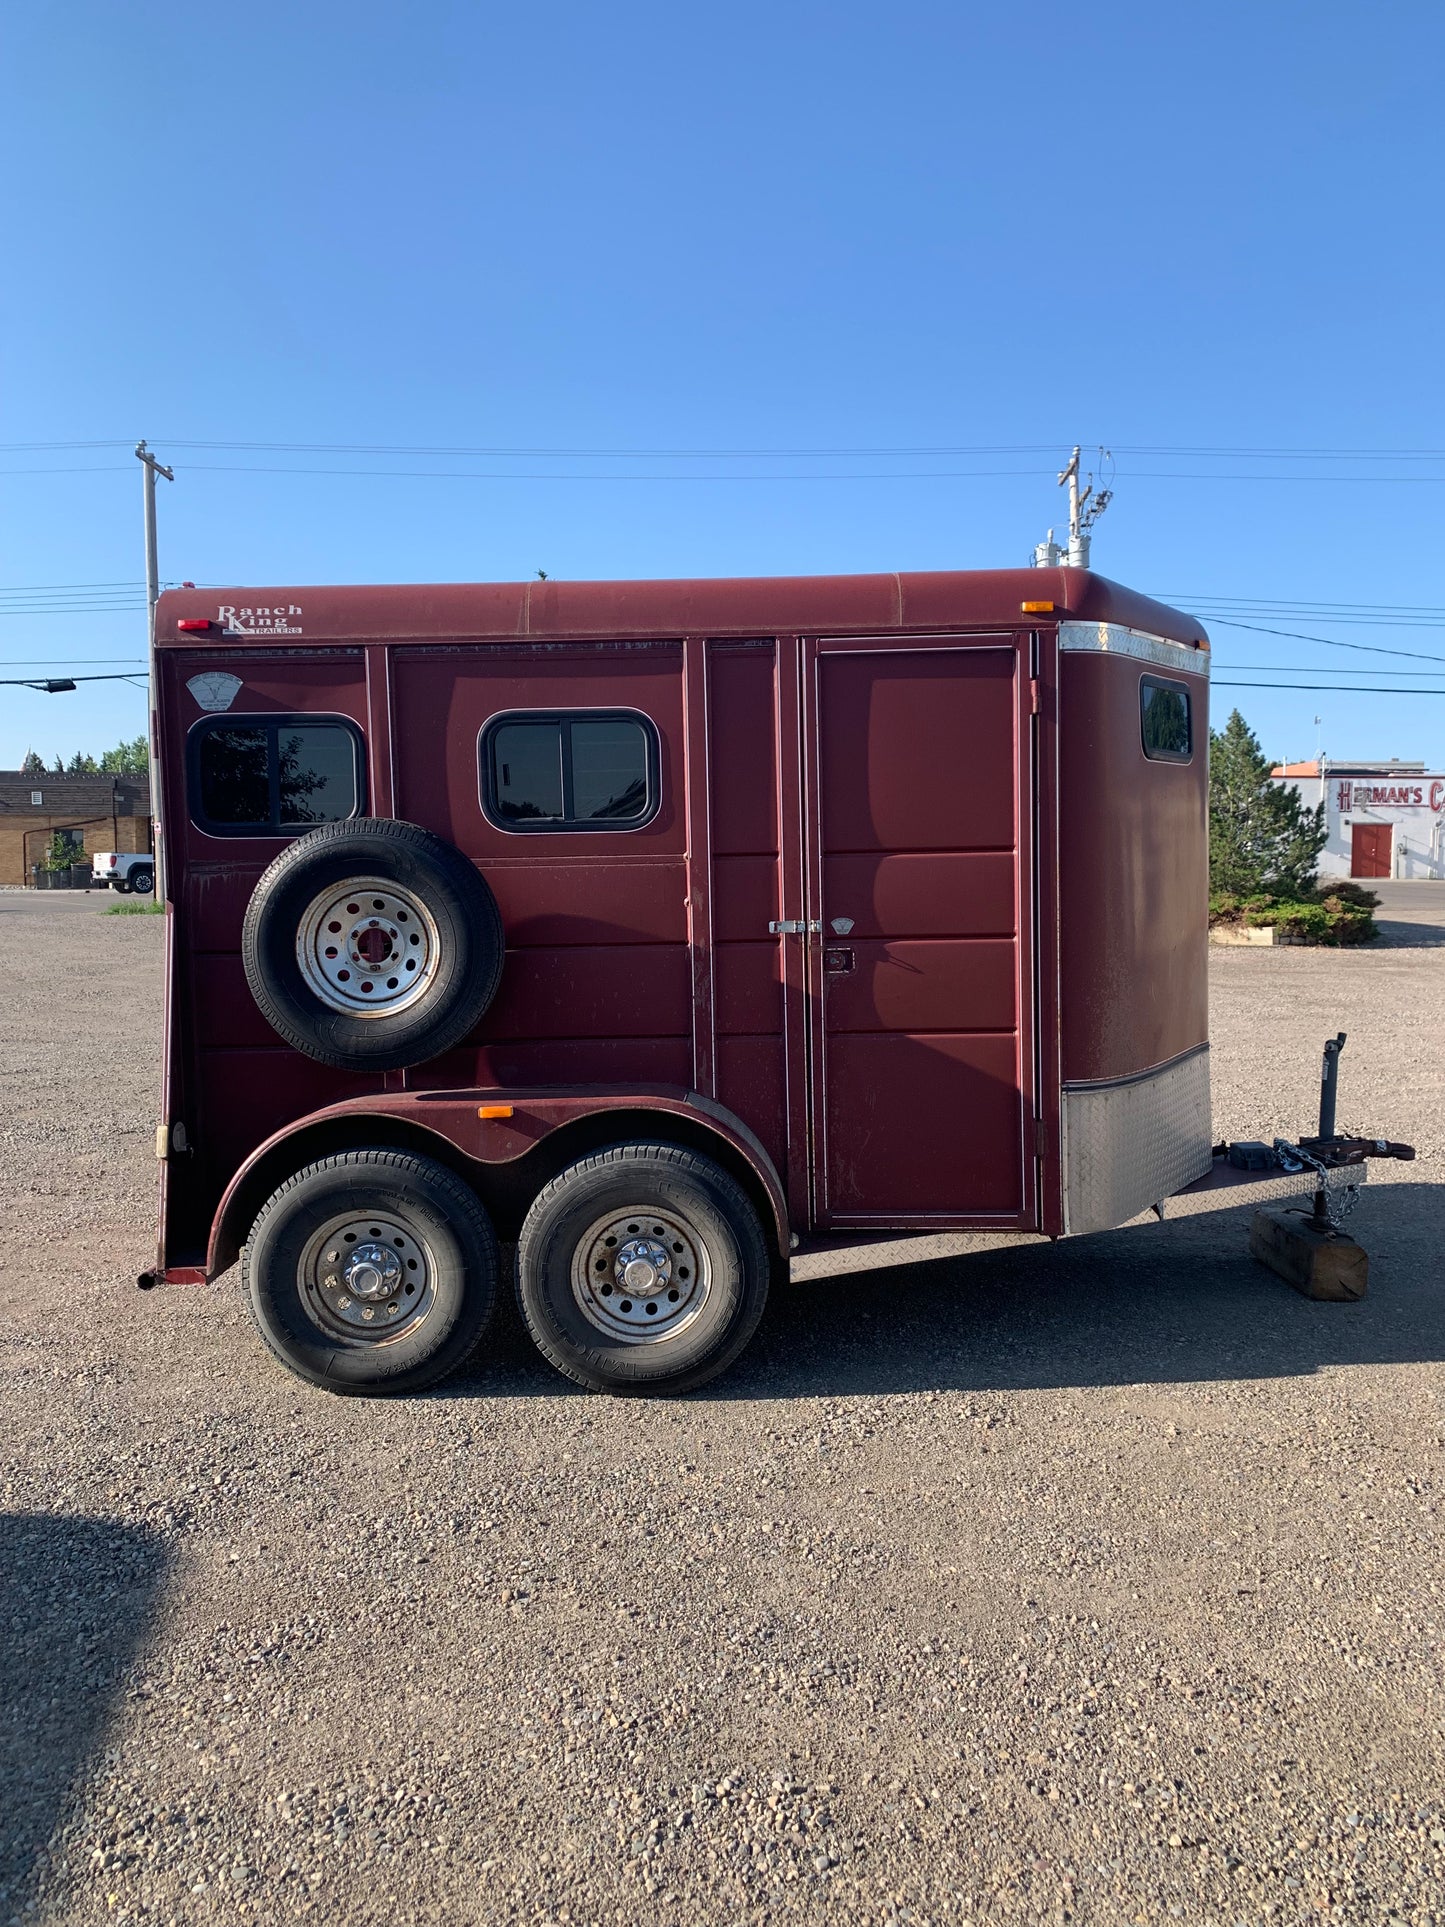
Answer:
(150, 468)
(1085, 507)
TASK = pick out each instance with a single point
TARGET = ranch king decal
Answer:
(259, 622)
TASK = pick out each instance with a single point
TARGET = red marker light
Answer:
(194, 622)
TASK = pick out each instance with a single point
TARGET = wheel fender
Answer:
(450, 1126)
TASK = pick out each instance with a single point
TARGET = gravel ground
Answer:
(1099, 1584)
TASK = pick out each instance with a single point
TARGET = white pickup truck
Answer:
(123, 872)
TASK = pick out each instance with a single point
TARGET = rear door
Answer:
(1370, 849)
(920, 968)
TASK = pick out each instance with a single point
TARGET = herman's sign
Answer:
(1428, 795)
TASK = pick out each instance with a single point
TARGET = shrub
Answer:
(1328, 915)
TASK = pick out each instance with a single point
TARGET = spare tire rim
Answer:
(368, 947)
(641, 1275)
(366, 1280)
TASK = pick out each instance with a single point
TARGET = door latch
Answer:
(794, 927)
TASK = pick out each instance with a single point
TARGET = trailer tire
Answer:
(372, 945)
(373, 1272)
(643, 1268)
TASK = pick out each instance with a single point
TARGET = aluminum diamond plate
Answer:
(1134, 1142)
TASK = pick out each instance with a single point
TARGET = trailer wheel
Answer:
(642, 1269)
(372, 945)
(371, 1272)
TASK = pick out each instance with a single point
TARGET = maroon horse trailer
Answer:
(658, 928)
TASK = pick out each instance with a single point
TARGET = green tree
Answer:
(33, 764)
(81, 765)
(127, 759)
(1263, 840)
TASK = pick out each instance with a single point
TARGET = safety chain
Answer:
(1340, 1196)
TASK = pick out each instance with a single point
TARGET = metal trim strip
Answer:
(1085, 1084)
(1112, 639)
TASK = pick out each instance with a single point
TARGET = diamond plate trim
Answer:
(1135, 1141)
(1113, 639)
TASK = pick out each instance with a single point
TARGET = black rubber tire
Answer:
(459, 899)
(142, 882)
(425, 1194)
(640, 1175)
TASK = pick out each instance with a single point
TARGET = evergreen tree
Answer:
(127, 759)
(81, 765)
(1263, 840)
(32, 766)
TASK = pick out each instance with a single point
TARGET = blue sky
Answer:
(673, 234)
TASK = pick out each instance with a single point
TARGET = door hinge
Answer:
(1035, 698)
(1039, 1135)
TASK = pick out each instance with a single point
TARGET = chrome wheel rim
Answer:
(368, 947)
(641, 1275)
(367, 1280)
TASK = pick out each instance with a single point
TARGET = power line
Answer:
(1199, 451)
(1330, 642)
(1306, 669)
(1331, 688)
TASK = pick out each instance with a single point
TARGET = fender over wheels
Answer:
(643, 1268)
(372, 945)
(371, 1272)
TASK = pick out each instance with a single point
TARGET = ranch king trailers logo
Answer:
(1410, 796)
(237, 621)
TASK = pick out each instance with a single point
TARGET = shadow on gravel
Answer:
(1409, 936)
(1179, 1301)
(76, 1599)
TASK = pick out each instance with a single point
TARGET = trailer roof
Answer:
(736, 606)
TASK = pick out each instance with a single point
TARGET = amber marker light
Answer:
(1037, 608)
(494, 1110)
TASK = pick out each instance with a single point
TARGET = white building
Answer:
(1384, 819)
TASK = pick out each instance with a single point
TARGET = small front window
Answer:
(267, 777)
(1165, 721)
(570, 770)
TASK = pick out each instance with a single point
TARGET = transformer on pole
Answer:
(1086, 505)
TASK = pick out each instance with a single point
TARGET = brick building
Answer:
(99, 812)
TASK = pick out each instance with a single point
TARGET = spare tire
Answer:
(372, 945)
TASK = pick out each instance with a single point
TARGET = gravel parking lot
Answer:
(1100, 1583)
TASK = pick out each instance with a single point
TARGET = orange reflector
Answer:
(1037, 608)
(494, 1110)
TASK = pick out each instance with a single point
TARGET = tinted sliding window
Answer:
(1165, 721)
(570, 770)
(270, 776)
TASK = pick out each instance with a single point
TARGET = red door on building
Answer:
(917, 873)
(1370, 849)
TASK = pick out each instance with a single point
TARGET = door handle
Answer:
(794, 927)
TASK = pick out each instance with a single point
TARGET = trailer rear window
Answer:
(570, 770)
(270, 776)
(1165, 721)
